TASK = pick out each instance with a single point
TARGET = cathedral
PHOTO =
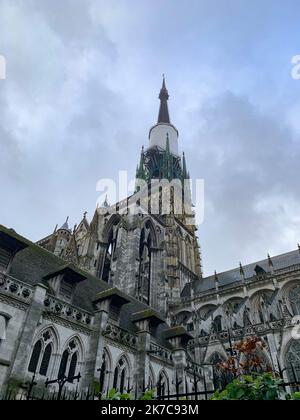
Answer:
(121, 302)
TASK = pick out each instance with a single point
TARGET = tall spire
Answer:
(163, 115)
(66, 225)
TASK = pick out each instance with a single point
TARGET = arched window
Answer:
(73, 365)
(121, 376)
(105, 371)
(292, 361)
(163, 385)
(145, 257)
(220, 377)
(35, 357)
(63, 364)
(122, 381)
(46, 360)
(294, 297)
(69, 361)
(41, 354)
(110, 249)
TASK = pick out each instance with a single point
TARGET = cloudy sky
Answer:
(81, 94)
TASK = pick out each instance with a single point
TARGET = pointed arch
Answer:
(148, 240)
(206, 311)
(219, 376)
(45, 345)
(72, 357)
(110, 238)
(259, 302)
(114, 220)
(105, 370)
(292, 360)
(122, 374)
(163, 384)
(148, 224)
(290, 294)
(35, 356)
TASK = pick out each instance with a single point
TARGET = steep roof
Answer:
(228, 278)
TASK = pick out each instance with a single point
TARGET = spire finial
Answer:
(85, 214)
(105, 204)
(66, 225)
(163, 115)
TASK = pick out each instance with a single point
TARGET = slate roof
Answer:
(228, 278)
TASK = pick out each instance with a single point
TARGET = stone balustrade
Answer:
(160, 352)
(15, 288)
(116, 333)
(67, 311)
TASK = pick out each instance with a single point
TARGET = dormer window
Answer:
(10, 245)
(66, 289)
(114, 311)
(63, 282)
(5, 257)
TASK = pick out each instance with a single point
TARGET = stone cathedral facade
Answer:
(122, 299)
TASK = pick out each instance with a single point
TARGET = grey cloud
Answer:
(247, 160)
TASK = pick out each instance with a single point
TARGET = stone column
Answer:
(25, 341)
(180, 363)
(96, 345)
(142, 366)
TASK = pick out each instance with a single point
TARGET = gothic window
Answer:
(110, 250)
(41, 353)
(122, 381)
(294, 297)
(69, 361)
(145, 257)
(104, 372)
(293, 361)
(220, 377)
(35, 356)
(63, 364)
(46, 360)
(73, 365)
(121, 376)
(163, 385)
